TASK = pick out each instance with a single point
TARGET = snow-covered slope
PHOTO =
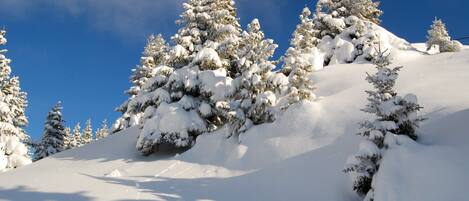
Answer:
(300, 157)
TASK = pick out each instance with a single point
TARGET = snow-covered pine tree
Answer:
(394, 115)
(103, 131)
(302, 58)
(300, 83)
(154, 55)
(303, 45)
(87, 136)
(203, 59)
(13, 102)
(68, 139)
(253, 97)
(209, 35)
(76, 139)
(438, 35)
(52, 141)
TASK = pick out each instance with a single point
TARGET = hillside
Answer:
(300, 157)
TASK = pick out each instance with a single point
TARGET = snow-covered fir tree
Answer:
(76, 139)
(103, 131)
(438, 36)
(53, 139)
(301, 84)
(13, 139)
(254, 93)
(209, 27)
(87, 136)
(69, 138)
(303, 45)
(154, 55)
(302, 59)
(394, 115)
(203, 60)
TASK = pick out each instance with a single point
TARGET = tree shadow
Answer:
(451, 129)
(120, 146)
(22, 193)
(296, 178)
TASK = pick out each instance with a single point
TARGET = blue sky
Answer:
(82, 51)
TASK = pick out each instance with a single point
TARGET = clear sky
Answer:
(82, 51)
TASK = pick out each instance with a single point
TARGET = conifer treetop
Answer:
(363, 9)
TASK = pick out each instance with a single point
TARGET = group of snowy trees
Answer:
(213, 75)
(14, 142)
(340, 31)
(345, 31)
(57, 138)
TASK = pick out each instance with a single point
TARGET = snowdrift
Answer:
(300, 157)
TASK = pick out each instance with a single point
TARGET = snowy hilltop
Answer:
(354, 113)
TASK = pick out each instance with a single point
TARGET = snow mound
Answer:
(299, 157)
(169, 120)
(210, 56)
(115, 173)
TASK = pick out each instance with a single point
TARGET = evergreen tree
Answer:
(297, 64)
(301, 85)
(438, 35)
(394, 115)
(207, 25)
(303, 42)
(13, 138)
(68, 138)
(53, 139)
(103, 131)
(87, 136)
(76, 140)
(155, 54)
(205, 50)
(254, 94)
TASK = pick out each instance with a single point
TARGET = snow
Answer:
(205, 109)
(334, 22)
(216, 83)
(4, 108)
(299, 157)
(115, 173)
(179, 51)
(344, 52)
(13, 153)
(3, 40)
(171, 119)
(208, 55)
(315, 58)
